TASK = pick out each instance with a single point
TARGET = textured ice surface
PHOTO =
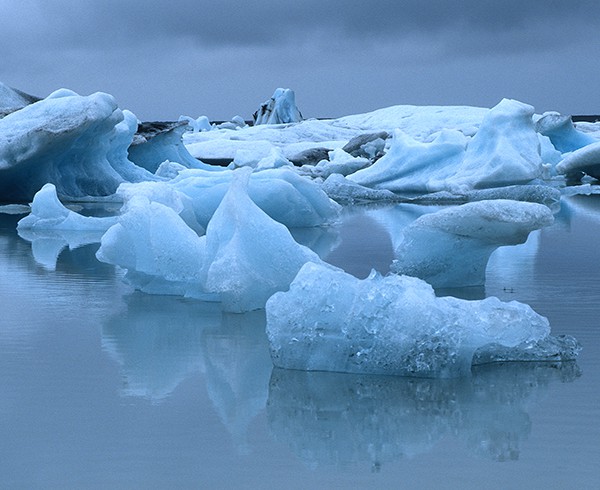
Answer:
(279, 109)
(163, 193)
(281, 193)
(451, 248)
(584, 160)
(414, 166)
(77, 143)
(339, 162)
(332, 321)
(249, 256)
(160, 252)
(505, 150)
(243, 259)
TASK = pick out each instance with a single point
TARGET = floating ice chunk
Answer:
(48, 213)
(505, 150)
(285, 196)
(339, 162)
(248, 255)
(585, 160)
(345, 191)
(161, 253)
(71, 141)
(158, 142)
(332, 321)
(562, 133)
(412, 166)
(279, 109)
(243, 259)
(196, 125)
(451, 248)
(165, 194)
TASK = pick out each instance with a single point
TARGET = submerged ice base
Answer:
(332, 321)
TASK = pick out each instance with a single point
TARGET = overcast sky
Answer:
(220, 58)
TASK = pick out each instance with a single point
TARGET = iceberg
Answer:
(157, 142)
(279, 109)
(160, 252)
(395, 325)
(414, 166)
(48, 213)
(249, 256)
(77, 143)
(563, 135)
(505, 150)
(284, 195)
(242, 260)
(196, 125)
(451, 248)
(585, 160)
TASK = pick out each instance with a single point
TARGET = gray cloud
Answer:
(219, 58)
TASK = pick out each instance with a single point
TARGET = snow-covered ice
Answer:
(505, 150)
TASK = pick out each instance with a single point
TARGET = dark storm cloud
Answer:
(223, 57)
(229, 22)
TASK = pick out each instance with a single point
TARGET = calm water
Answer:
(102, 387)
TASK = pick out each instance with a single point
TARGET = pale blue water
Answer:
(102, 387)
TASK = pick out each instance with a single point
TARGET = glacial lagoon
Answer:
(103, 386)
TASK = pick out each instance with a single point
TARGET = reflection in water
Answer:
(160, 341)
(156, 340)
(47, 245)
(334, 418)
(238, 366)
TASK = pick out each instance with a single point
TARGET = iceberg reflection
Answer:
(337, 419)
(157, 342)
(160, 341)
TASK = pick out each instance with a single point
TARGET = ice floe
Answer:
(77, 143)
(332, 321)
(451, 248)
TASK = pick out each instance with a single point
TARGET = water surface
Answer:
(101, 386)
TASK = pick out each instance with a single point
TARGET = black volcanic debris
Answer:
(12, 100)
